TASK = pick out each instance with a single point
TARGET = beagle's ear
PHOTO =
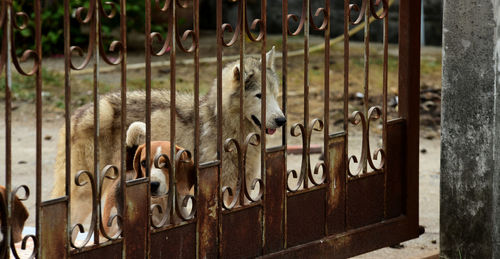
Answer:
(19, 216)
(187, 168)
(137, 162)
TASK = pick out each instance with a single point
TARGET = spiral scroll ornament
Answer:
(175, 203)
(92, 17)
(299, 28)
(168, 8)
(357, 117)
(241, 192)
(373, 5)
(242, 25)
(306, 174)
(27, 237)
(109, 172)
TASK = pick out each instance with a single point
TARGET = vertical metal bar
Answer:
(219, 116)
(96, 23)
(8, 120)
(148, 83)
(196, 19)
(263, 15)
(409, 96)
(148, 113)
(284, 69)
(367, 79)
(326, 111)
(219, 80)
(38, 44)
(243, 4)
(123, 156)
(172, 28)
(384, 104)
(346, 99)
(346, 68)
(306, 84)
(67, 114)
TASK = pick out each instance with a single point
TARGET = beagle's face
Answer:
(19, 216)
(159, 176)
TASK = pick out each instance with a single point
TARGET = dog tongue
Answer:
(270, 131)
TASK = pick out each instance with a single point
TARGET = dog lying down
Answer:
(19, 216)
(159, 182)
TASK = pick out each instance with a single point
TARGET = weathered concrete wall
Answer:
(432, 11)
(470, 158)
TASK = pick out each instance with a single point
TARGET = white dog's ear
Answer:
(270, 59)
(236, 72)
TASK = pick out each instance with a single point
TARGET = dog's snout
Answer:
(154, 186)
(280, 121)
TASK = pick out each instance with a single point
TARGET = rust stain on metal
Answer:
(242, 233)
(336, 197)
(136, 218)
(275, 202)
(111, 251)
(207, 212)
(54, 229)
(306, 217)
(394, 182)
(365, 200)
(178, 242)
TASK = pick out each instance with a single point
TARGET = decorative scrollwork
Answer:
(356, 8)
(110, 172)
(81, 229)
(96, 34)
(19, 21)
(256, 23)
(25, 239)
(165, 215)
(305, 168)
(374, 5)
(357, 117)
(253, 139)
(166, 45)
(320, 10)
(174, 201)
(181, 208)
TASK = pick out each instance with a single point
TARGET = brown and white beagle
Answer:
(19, 216)
(159, 179)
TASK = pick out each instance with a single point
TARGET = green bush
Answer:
(52, 17)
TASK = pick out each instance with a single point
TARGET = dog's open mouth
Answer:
(257, 121)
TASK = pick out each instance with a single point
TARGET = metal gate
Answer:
(355, 207)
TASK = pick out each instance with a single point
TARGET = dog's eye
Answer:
(258, 95)
(143, 163)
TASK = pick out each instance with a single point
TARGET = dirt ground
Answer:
(23, 137)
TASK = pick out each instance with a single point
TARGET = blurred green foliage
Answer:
(52, 16)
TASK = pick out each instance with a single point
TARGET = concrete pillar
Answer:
(470, 158)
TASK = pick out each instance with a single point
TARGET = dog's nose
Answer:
(154, 186)
(280, 121)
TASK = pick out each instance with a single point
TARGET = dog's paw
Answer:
(136, 134)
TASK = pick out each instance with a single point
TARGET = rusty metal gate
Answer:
(356, 205)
